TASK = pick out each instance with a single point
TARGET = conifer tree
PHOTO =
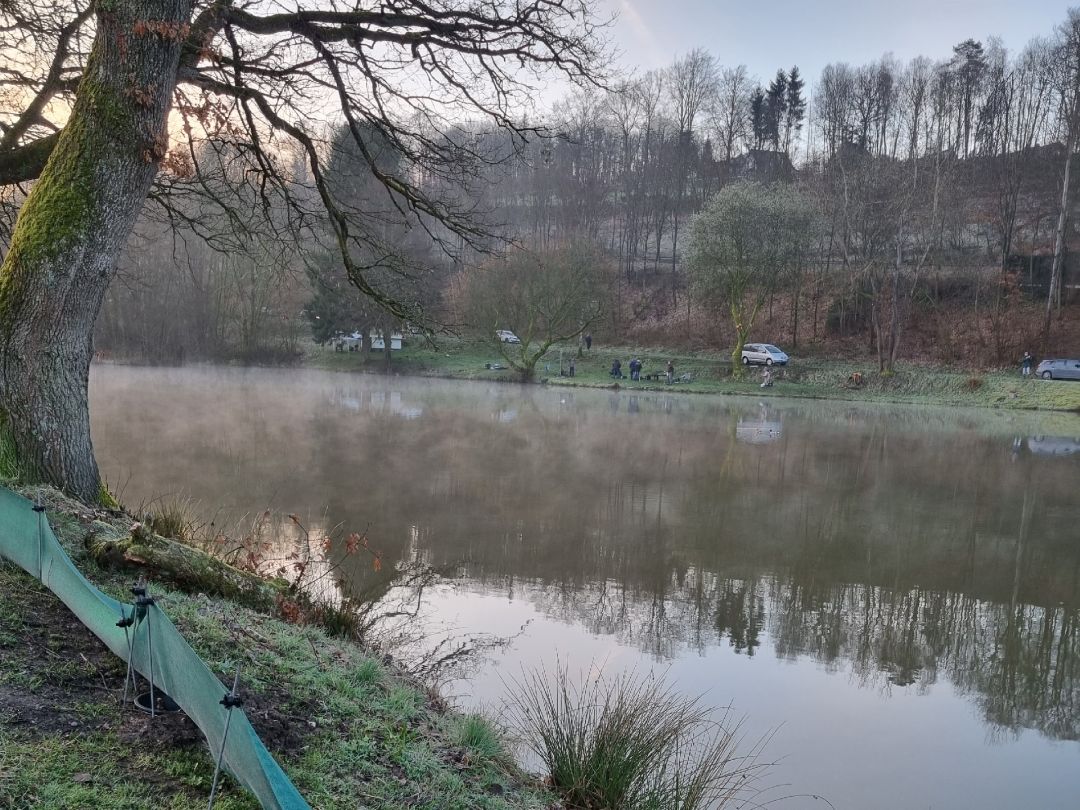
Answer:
(776, 108)
(796, 109)
(758, 117)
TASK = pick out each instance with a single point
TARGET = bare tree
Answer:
(968, 66)
(835, 105)
(731, 112)
(1067, 81)
(409, 69)
(543, 297)
(693, 84)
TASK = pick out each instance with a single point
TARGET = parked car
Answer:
(763, 354)
(1053, 445)
(1059, 370)
(506, 336)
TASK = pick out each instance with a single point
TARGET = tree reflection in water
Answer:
(890, 542)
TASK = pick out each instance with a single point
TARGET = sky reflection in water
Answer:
(862, 577)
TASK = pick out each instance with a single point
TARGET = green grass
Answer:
(632, 743)
(461, 358)
(363, 736)
(452, 357)
(102, 771)
(479, 736)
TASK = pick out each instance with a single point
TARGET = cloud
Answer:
(632, 19)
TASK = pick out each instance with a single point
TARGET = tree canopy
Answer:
(742, 244)
(544, 298)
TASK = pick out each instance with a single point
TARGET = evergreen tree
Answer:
(776, 108)
(796, 109)
(395, 264)
(758, 124)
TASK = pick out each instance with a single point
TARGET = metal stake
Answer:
(126, 622)
(40, 509)
(230, 701)
(143, 603)
(150, 652)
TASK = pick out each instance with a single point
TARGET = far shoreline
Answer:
(803, 378)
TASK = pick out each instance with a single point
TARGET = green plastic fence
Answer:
(29, 542)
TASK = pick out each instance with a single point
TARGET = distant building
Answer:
(377, 342)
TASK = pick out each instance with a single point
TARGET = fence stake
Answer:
(231, 700)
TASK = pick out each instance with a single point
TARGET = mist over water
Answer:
(867, 579)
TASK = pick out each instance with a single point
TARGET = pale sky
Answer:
(767, 35)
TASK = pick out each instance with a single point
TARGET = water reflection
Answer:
(892, 544)
(761, 428)
(1053, 445)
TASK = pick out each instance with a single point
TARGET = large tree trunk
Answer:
(744, 325)
(70, 231)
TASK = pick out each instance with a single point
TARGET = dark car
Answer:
(1059, 370)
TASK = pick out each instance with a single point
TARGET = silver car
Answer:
(763, 354)
(1059, 370)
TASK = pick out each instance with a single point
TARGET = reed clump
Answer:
(632, 742)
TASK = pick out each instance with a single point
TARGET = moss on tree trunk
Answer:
(70, 230)
(188, 568)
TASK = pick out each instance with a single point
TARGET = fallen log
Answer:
(183, 566)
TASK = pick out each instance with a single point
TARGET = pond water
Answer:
(895, 592)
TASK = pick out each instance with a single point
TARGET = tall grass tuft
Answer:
(632, 743)
(174, 517)
(476, 734)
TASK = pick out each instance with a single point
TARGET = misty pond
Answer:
(895, 592)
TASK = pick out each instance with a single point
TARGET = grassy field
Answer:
(711, 374)
(350, 731)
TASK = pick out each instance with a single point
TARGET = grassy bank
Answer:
(711, 374)
(350, 730)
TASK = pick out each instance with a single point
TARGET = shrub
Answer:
(973, 384)
(631, 743)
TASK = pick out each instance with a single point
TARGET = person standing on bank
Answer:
(670, 372)
(1025, 364)
(572, 367)
(588, 342)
